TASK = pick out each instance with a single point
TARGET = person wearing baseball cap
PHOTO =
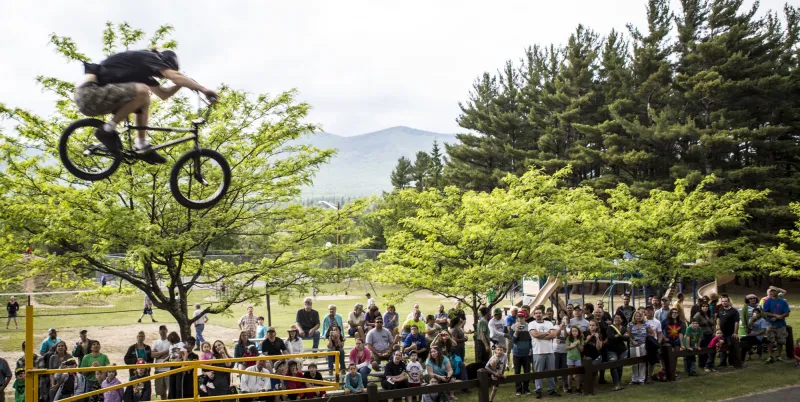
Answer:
(521, 350)
(497, 328)
(272, 345)
(49, 342)
(141, 391)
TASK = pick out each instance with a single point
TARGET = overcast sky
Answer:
(362, 65)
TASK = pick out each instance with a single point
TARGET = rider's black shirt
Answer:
(131, 66)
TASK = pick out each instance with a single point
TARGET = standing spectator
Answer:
(588, 311)
(521, 352)
(543, 332)
(497, 328)
(60, 356)
(679, 306)
(272, 345)
(248, 323)
(391, 319)
(396, 375)
(637, 333)
(655, 325)
(692, 339)
(49, 342)
(776, 310)
(579, 321)
(361, 357)
(457, 311)
(616, 347)
(261, 331)
(662, 313)
(70, 384)
(728, 322)
(82, 347)
(416, 342)
(706, 324)
(560, 348)
(443, 342)
(138, 351)
(330, 320)
(103, 280)
(18, 385)
(574, 349)
(307, 322)
(222, 380)
(148, 309)
(379, 342)
(200, 321)
(356, 320)
(12, 307)
(416, 321)
(482, 346)
(756, 330)
(442, 318)
(626, 309)
(5, 377)
(90, 359)
(458, 336)
(335, 343)
(370, 300)
(674, 329)
(141, 391)
(294, 344)
(160, 354)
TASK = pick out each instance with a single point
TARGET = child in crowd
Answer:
(717, 341)
(438, 396)
(252, 351)
(19, 384)
(279, 385)
(496, 366)
(313, 374)
(797, 353)
(141, 391)
(414, 369)
(294, 372)
(206, 379)
(100, 376)
(110, 381)
(692, 342)
(261, 331)
(574, 348)
(352, 381)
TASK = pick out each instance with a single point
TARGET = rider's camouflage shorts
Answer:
(96, 100)
(777, 334)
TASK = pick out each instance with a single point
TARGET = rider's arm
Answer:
(184, 81)
(165, 93)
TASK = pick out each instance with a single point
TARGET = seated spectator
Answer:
(353, 384)
(396, 376)
(254, 383)
(414, 369)
(391, 320)
(356, 320)
(416, 321)
(361, 357)
(294, 345)
(439, 368)
(379, 342)
(335, 343)
(431, 328)
(416, 342)
(369, 318)
(756, 329)
(313, 374)
(294, 371)
(242, 344)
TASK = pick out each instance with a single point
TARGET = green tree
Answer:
(463, 244)
(402, 174)
(436, 169)
(670, 228)
(132, 212)
(420, 170)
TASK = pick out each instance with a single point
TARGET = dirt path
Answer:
(791, 393)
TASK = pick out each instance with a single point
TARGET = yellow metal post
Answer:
(196, 373)
(30, 388)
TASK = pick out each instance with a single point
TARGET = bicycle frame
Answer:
(194, 136)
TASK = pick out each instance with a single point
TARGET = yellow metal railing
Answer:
(31, 374)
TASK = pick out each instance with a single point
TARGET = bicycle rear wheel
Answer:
(84, 156)
(200, 178)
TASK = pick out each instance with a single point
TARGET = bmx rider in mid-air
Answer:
(121, 84)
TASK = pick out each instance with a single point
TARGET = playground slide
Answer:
(551, 286)
(712, 287)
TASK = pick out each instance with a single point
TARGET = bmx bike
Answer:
(198, 179)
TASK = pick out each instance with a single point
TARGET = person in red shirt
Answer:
(294, 372)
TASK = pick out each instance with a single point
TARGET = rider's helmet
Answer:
(169, 57)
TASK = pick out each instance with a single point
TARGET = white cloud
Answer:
(363, 65)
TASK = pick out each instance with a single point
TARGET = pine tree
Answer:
(419, 172)
(401, 175)
(436, 169)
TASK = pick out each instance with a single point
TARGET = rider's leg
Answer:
(142, 100)
(142, 117)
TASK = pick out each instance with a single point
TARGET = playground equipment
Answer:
(555, 284)
(713, 286)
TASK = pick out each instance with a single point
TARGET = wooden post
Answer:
(789, 343)
(31, 386)
(669, 362)
(372, 392)
(735, 353)
(589, 376)
(483, 385)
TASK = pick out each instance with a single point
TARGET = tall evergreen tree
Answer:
(419, 172)
(402, 174)
(435, 177)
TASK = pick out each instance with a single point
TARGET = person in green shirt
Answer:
(691, 341)
(88, 361)
(19, 385)
(574, 348)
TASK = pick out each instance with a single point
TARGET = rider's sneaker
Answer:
(109, 137)
(148, 155)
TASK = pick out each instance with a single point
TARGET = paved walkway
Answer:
(783, 394)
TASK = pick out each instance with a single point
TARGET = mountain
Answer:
(363, 162)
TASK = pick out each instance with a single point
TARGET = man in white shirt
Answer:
(652, 322)
(497, 328)
(543, 332)
(160, 352)
(255, 383)
(414, 311)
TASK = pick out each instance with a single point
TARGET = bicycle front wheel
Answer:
(84, 156)
(200, 178)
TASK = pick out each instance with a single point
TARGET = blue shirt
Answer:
(419, 341)
(776, 306)
(327, 322)
(455, 361)
(49, 343)
(758, 326)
